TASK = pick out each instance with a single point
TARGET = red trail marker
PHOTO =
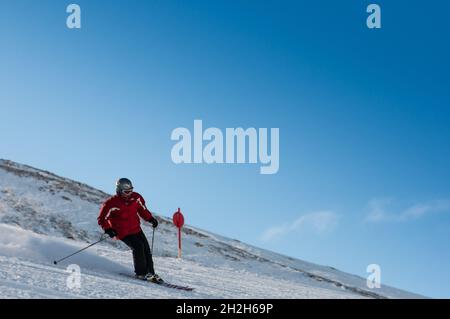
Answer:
(178, 220)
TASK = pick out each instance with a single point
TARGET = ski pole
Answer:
(78, 251)
(153, 237)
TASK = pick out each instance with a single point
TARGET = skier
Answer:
(119, 217)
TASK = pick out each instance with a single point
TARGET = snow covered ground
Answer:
(44, 217)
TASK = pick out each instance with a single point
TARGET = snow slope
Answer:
(44, 217)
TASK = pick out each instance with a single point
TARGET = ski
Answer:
(161, 283)
(168, 285)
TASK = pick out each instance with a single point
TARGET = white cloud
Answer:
(380, 210)
(319, 222)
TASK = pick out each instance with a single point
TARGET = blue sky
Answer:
(364, 119)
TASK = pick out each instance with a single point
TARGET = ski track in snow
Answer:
(34, 276)
(24, 279)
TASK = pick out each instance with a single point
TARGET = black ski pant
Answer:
(142, 256)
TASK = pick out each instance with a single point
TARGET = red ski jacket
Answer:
(122, 214)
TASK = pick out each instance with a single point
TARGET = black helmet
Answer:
(123, 185)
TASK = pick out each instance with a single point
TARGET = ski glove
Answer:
(111, 232)
(154, 222)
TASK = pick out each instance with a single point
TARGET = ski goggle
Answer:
(127, 191)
